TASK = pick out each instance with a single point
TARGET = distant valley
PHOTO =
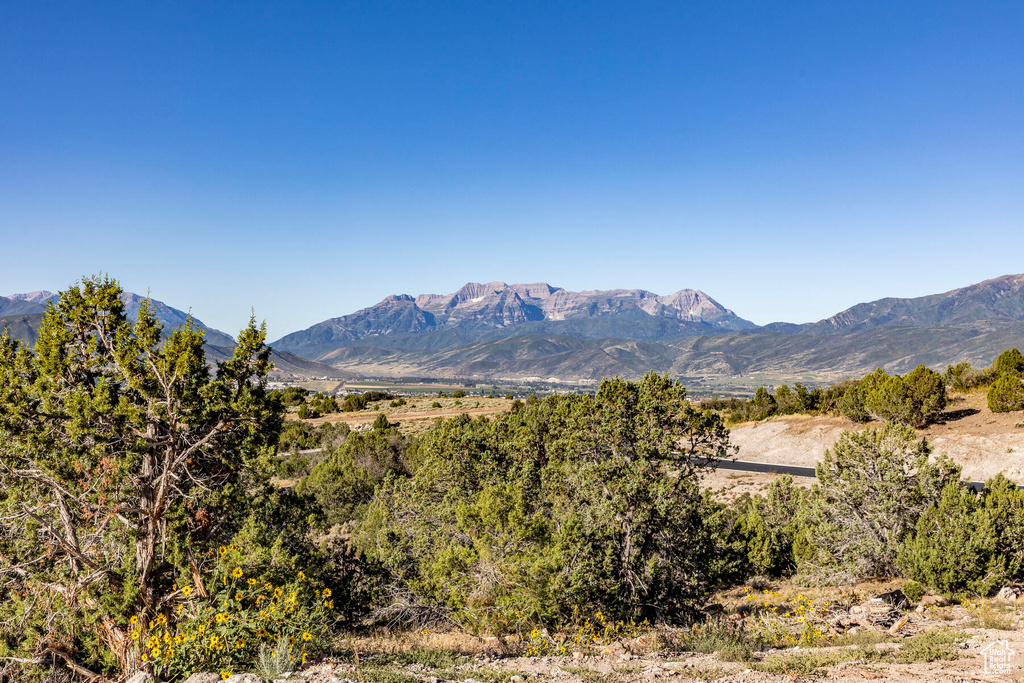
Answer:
(539, 332)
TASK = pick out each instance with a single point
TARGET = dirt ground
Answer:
(429, 657)
(418, 414)
(728, 485)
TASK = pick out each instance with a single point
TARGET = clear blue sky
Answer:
(305, 160)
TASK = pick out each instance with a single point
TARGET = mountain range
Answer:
(489, 312)
(536, 331)
(34, 303)
(22, 314)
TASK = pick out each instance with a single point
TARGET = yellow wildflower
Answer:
(225, 675)
(236, 572)
(327, 592)
(222, 550)
(238, 597)
(307, 635)
(252, 581)
(186, 591)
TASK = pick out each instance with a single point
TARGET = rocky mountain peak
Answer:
(396, 299)
(687, 304)
(40, 297)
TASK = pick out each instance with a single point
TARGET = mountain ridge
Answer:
(32, 303)
(536, 331)
(487, 310)
(630, 331)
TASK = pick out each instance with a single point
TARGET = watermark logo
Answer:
(998, 657)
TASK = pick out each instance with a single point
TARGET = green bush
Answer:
(459, 393)
(1006, 394)
(961, 377)
(221, 623)
(1009, 362)
(343, 482)
(769, 525)
(762, 406)
(928, 392)
(914, 400)
(291, 396)
(296, 436)
(872, 487)
(791, 401)
(323, 404)
(851, 404)
(356, 402)
(954, 547)
(584, 502)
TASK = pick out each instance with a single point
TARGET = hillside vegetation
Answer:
(141, 527)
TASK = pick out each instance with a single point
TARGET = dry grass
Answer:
(927, 647)
(390, 643)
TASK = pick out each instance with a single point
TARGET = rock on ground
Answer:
(205, 677)
(141, 677)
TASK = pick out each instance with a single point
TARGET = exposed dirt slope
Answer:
(984, 443)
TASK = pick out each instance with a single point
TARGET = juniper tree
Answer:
(1006, 394)
(587, 502)
(955, 545)
(121, 458)
(1010, 361)
(872, 487)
